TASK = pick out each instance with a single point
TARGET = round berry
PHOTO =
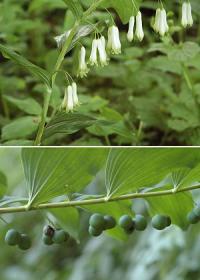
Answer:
(25, 242)
(48, 231)
(159, 222)
(125, 222)
(140, 222)
(109, 222)
(94, 231)
(47, 240)
(192, 218)
(59, 236)
(97, 221)
(12, 237)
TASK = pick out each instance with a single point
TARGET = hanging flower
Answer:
(114, 44)
(74, 94)
(130, 33)
(101, 44)
(70, 100)
(156, 26)
(161, 25)
(93, 55)
(83, 69)
(70, 103)
(139, 28)
(187, 19)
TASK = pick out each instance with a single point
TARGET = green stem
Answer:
(43, 117)
(57, 67)
(101, 200)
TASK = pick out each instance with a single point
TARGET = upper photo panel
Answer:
(99, 73)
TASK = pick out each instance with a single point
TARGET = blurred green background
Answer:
(170, 254)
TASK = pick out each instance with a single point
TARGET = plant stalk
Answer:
(101, 200)
(57, 66)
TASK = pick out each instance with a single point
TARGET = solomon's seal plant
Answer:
(106, 42)
(62, 184)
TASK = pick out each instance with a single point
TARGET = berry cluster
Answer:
(194, 216)
(57, 236)
(98, 223)
(14, 238)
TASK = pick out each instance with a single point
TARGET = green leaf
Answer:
(42, 74)
(75, 6)
(9, 200)
(67, 219)
(53, 172)
(19, 128)
(124, 8)
(69, 123)
(28, 105)
(184, 52)
(129, 170)
(191, 178)
(3, 184)
(38, 5)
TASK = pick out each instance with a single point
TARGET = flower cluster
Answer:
(139, 28)
(98, 48)
(161, 25)
(70, 100)
(101, 48)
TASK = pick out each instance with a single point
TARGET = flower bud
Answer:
(130, 33)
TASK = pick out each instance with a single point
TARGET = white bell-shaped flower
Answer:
(187, 19)
(157, 20)
(189, 14)
(74, 94)
(70, 102)
(114, 44)
(130, 33)
(93, 55)
(139, 28)
(164, 28)
(101, 44)
(83, 69)
(184, 20)
(161, 25)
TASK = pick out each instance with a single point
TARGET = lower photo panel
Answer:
(99, 213)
